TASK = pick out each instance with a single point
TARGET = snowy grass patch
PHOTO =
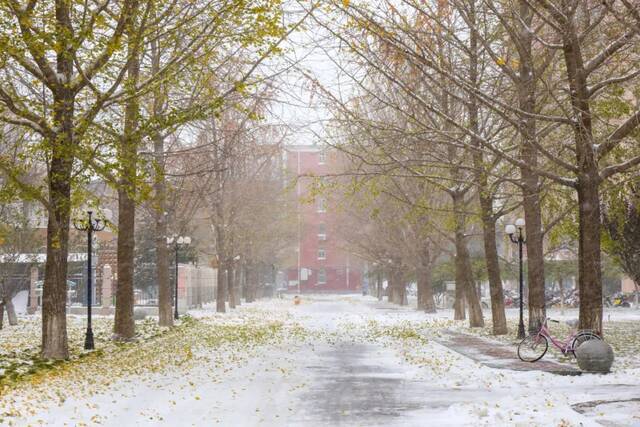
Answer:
(33, 384)
(20, 345)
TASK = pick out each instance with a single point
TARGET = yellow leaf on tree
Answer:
(500, 61)
(345, 3)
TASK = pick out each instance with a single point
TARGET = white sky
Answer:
(313, 51)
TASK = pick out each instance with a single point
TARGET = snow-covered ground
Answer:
(333, 360)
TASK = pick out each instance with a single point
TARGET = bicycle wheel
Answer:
(533, 348)
(582, 337)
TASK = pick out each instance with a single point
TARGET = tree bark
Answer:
(425, 290)
(402, 289)
(249, 297)
(231, 283)
(165, 311)
(398, 288)
(535, 252)
(124, 324)
(498, 317)
(221, 294)
(464, 272)
(589, 271)
(11, 312)
(54, 294)
(529, 180)
(394, 292)
(238, 285)
(499, 320)
(1, 314)
(458, 302)
(379, 289)
(587, 186)
(250, 290)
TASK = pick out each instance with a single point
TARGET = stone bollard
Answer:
(595, 356)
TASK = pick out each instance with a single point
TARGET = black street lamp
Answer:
(177, 241)
(520, 241)
(90, 225)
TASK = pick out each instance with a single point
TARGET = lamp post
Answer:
(520, 241)
(177, 241)
(90, 225)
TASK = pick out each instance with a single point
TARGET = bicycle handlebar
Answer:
(551, 320)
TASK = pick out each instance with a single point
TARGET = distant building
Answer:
(320, 263)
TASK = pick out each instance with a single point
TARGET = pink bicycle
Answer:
(535, 346)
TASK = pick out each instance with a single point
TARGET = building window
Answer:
(322, 232)
(322, 276)
(322, 158)
(321, 204)
(322, 254)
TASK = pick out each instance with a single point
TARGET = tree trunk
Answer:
(464, 274)
(393, 292)
(221, 294)
(485, 197)
(243, 281)
(425, 290)
(1, 314)
(11, 312)
(499, 319)
(398, 286)
(246, 279)
(238, 285)
(124, 324)
(231, 283)
(249, 285)
(535, 252)
(379, 290)
(402, 290)
(589, 268)
(165, 312)
(529, 180)
(54, 293)
(459, 303)
(589, 272)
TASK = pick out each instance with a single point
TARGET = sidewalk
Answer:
(498, 355)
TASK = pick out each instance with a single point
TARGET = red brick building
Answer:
(321, 263)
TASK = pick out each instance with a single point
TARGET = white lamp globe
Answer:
(169, 240)
(187, 240)
(510, 229)
(180, 240)
(520, 222)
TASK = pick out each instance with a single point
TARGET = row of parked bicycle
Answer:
(571, 299)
